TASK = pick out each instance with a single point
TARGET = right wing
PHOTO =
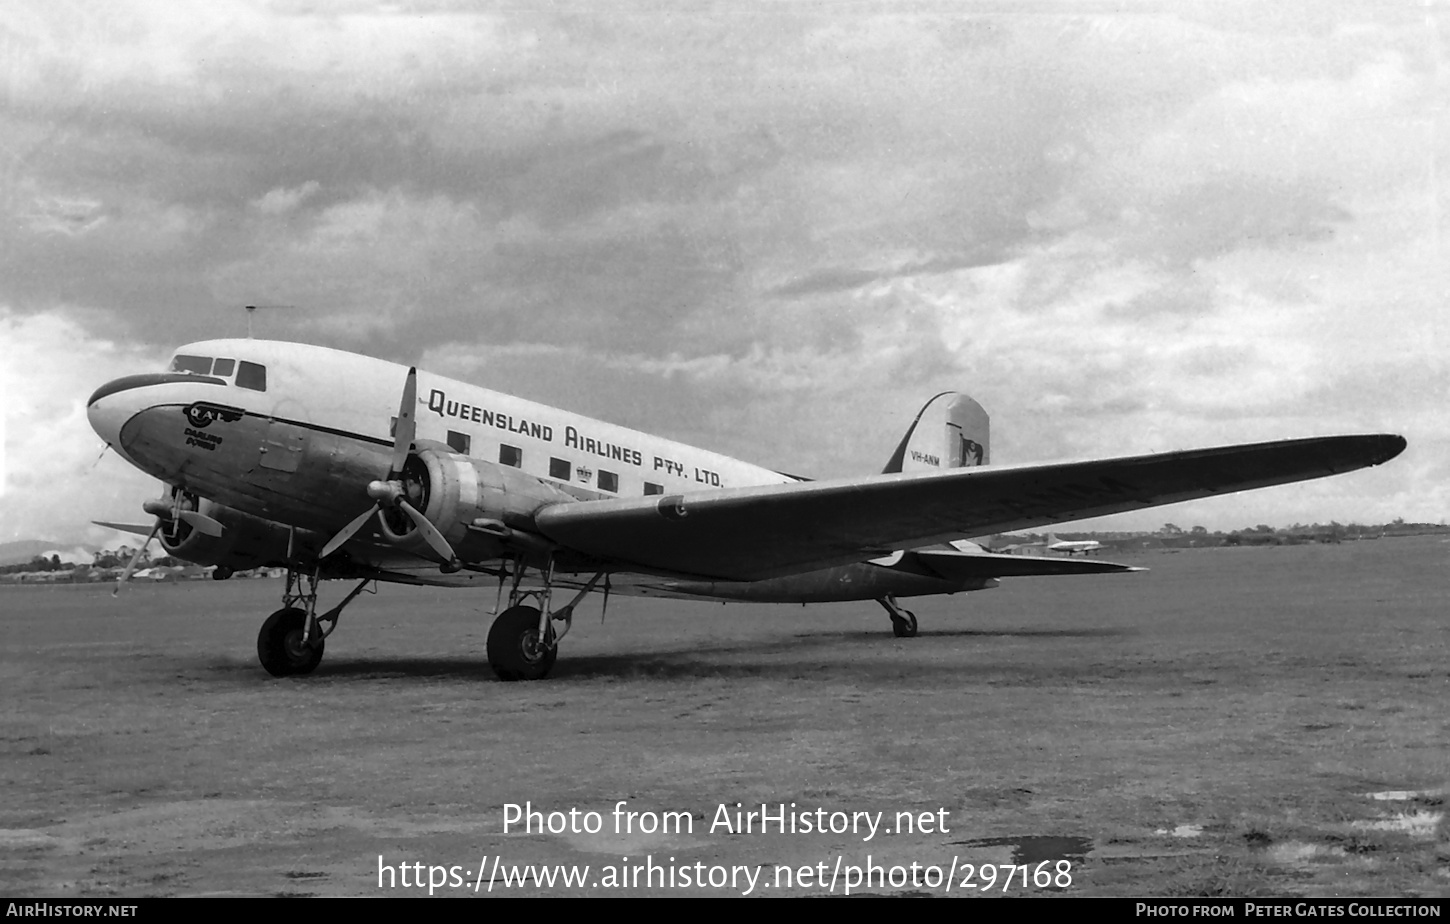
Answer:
(754, 533)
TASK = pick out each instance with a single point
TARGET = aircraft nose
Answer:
(106, 418)
(110, 406)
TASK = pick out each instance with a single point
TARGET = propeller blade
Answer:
(203, 523)
(406, 429)
(137, 528)
(430, 533)
(348, 531)
(135, 558)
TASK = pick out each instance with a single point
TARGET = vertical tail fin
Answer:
(950, 431)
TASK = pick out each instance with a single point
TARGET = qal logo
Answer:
(201, 414)
(972, 452)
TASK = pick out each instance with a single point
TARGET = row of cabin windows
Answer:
(249, 375)
(561, 469)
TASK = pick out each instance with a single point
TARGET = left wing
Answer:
(748, 534)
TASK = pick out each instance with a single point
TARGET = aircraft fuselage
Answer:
(293, 434)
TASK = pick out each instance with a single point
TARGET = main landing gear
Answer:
(903, 621)
(522, 643)
(291, 640)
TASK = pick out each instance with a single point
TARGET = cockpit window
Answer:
(223, 367)
(251, 375)
(198, 365)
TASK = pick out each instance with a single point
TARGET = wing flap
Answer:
(746, 534)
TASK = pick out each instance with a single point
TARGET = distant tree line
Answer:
(102, 560)
(1171, 535)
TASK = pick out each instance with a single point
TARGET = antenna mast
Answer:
(252, 309)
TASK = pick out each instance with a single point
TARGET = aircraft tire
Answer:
(280, 647)
(513, 649)
(904, 628)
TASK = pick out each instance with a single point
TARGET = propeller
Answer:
(135, 558)
(202, 523)
(163, 510)
(391, 492)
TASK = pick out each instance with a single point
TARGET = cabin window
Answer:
(224, 367)
(651, 488)
(196, 365)
(253, 376)
(510, 455)
(608, 481)
(558, 468)
(459, 442)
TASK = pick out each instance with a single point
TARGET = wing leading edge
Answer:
(747, 534)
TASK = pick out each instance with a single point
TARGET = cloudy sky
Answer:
(772, 230)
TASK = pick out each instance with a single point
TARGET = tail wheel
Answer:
(515, 651)
(280, 647)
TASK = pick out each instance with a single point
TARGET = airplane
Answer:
(339, 466)
(1072, 546)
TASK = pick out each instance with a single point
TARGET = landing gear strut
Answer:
(291, 640)
(903, 621)
(522, 643)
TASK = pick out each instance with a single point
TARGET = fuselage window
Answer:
(460, 442)
(608, 481)
(559, 468)
(510, 455)
(196, 365)
(652, 488)
(251, 375)
(224, 367)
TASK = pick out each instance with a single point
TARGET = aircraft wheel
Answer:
(904, 628)
(514, 651)
(280, 647)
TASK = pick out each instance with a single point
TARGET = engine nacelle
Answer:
(456, 492)
(246, 541)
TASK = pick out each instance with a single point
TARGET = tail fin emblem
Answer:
(972, 452)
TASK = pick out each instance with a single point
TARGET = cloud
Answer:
(66, 216)
(773, 232)
(54, 478)
(280, 201)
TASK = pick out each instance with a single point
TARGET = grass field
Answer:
(1266, 721)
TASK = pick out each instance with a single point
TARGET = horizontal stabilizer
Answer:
(958, 566)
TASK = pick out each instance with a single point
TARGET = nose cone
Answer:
(107, 411)
(116, 402)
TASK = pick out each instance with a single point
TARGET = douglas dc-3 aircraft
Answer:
(1072, 546)
(300, 456)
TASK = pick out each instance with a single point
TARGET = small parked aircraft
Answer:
(303, 457)
(1072, 546)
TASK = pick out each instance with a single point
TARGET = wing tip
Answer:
(1387, 446)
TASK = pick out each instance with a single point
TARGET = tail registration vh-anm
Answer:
(303, 457)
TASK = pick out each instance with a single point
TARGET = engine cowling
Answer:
(246, 541)
(483, 509)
